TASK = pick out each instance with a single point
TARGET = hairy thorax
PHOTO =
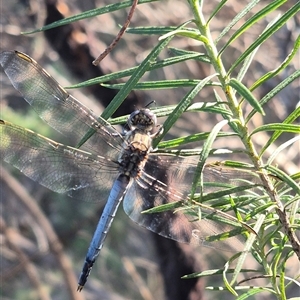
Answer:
(136, 146)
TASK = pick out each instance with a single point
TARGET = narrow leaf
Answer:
(237, 18)
(123, 93)
(266, 34)
(254, 19)
(216, 10)
(284, 177)
(204, 155)
(280, 68)
(245, 93)
(181, 107)
(157, 65)
(275, 91)
(187, 33)
(290, 119)
(88, 14)
(151, 30)
(277, 127)
(163, 84)
(175, 143)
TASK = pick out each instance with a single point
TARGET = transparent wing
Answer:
(169, 183)
(58, 167)
(57, 107)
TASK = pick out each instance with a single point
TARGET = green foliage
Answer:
(273, 216)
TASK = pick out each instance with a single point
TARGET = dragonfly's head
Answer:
(143, 119)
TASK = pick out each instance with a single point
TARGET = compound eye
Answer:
(143, 119)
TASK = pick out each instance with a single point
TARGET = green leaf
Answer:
(250, 241)
(266, 34)
(163, 111)
(162, 84)
(151, 30)
(226, 191)
(254, 19)
(187, 33)
(204, 155)
(246, 64)
(155, 30)
(157, 65)
(251, 291)
(216, 272)
(198, 56)
(284, 177)
(277, 127)
(127, 88)
(281, 148)
(290, 119)
(164, 207)
(225, 280)
(136, 76)
(175, 143)
(237, 18)
(181, 107)
(275, 91)
(216, 10)
(88, 14)
(250, 57)
(245, 93)
(280, 68)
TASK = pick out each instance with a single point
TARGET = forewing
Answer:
(58, 167)
(57, 107)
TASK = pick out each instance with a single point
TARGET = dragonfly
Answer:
(109, 166)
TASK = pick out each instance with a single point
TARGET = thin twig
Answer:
(118, 37)
(55, 245)
(131, 270)
(24, 261)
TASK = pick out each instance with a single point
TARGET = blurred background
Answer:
(134, 263)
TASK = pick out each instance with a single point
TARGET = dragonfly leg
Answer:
(158, 132)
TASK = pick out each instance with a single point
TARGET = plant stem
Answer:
(241, 128)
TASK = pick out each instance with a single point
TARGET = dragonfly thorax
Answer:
(136, 146)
